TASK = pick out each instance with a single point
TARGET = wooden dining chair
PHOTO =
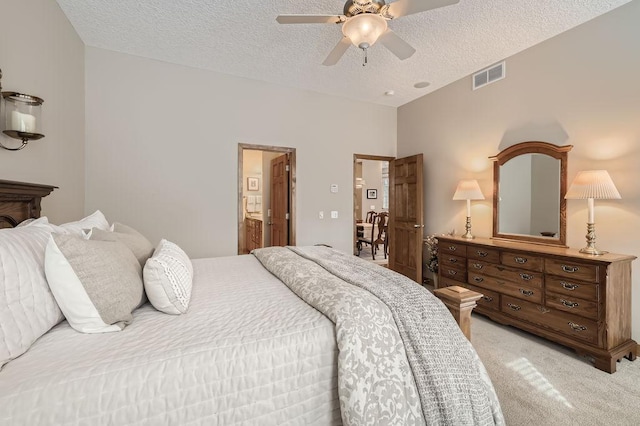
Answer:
(371, 217)
(365, 237)
(383, 223)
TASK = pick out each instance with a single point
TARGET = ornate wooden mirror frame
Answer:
(533, 147)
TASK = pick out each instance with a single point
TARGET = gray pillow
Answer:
(97, 284)
(137, 243)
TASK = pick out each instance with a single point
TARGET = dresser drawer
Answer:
(454, 273)
(523, 261)
(521, 291)
(574, 326)
(490, 299)
(454, 261)
(505, 273)
(584, 308)
(574, 270)
(445, 248)
(482, 253)
(571, 288)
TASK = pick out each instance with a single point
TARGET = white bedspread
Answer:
(248, 351)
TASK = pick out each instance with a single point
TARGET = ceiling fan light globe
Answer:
(364, 29)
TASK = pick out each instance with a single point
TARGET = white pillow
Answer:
(168, 278)
(27, 306)
(97, 284)
(94, 220)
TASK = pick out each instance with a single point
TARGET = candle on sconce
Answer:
(23, 122)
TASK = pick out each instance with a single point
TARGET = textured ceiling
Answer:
(242, 38)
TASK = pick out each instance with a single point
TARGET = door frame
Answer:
(357, 157)
(292, 188)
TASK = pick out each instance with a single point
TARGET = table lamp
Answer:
(468, 190)
(590, 185)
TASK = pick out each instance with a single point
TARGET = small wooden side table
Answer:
(460, 302)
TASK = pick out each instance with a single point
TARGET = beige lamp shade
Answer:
(468, 190)
(595, 184)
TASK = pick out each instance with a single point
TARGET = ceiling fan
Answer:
(365, 21)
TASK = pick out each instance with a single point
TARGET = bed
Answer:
(284, 336)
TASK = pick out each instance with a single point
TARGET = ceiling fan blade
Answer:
(310, 19)
(396, 45)
(337, 52)
(409, 7)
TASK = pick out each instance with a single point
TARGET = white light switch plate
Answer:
(334, 188)
(334, 214)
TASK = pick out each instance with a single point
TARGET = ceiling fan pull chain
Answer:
(364, 64)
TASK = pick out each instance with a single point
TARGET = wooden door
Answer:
(280, 201)
(405, 216)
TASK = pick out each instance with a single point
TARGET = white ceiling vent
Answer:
(489, 75)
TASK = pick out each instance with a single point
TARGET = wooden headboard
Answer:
(20, 201)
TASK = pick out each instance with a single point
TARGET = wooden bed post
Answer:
(460, 302)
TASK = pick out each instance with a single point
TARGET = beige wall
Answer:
(252, 167)
(41, 55)
(372, 175)
(579, 88)
(162, 149)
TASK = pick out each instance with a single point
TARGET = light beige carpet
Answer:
(380, 259)
(541, 383)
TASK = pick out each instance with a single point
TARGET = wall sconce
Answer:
(590, 185)
(468, 190)
(20, 117)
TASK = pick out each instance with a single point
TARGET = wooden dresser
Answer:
(253, 234)
(577, 300)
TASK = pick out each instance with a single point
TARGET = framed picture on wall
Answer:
(372, 194)
(253, 184)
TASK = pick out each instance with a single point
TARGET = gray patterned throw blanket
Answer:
(402, 358)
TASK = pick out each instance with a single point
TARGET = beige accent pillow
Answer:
(137, 243)
(97, 284)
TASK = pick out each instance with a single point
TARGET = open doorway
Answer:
(266, 196)
(371, 207)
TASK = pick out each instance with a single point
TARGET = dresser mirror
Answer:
(529, 184)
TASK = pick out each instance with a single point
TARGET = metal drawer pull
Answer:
(543, 310)
(453, 260)
(569, 304)
(527, 293)
(568, 286)
(478, 265)
(487, 298)
(570, 269)
(452, 272)
(514, 307)
(482, 253)
(500, 268)
(526, 277)
(577, 327)
(520, 260)
(478, 279)
(452, 248)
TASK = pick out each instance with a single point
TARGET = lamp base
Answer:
(591, 242)
(468, 235)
